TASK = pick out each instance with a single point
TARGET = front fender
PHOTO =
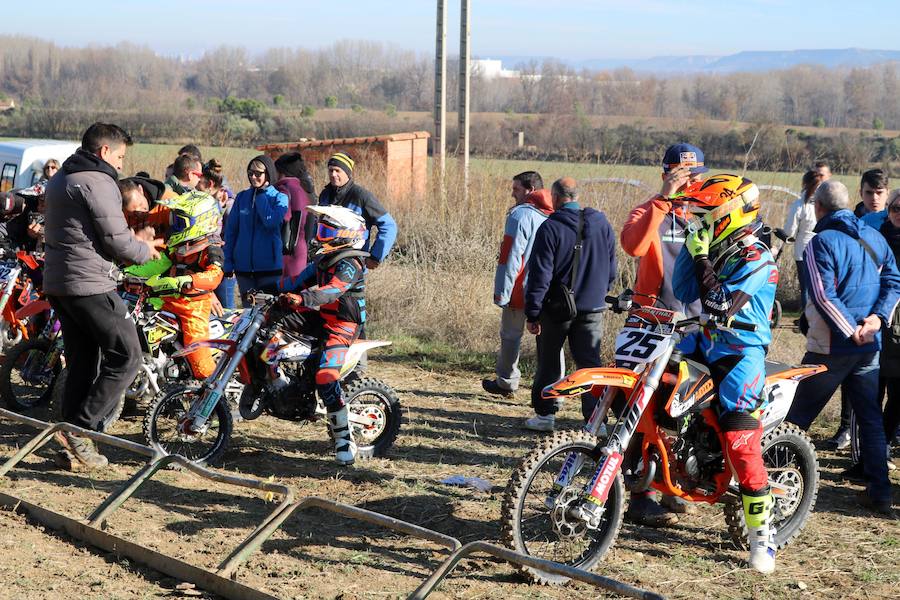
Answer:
(588, 380)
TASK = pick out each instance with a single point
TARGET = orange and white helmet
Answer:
(725, 203)
(338, 228)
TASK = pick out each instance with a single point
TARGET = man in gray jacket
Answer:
(86, 236)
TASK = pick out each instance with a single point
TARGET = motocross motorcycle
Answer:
(162, 363)
(277, 369)
(20, 276)
(31, 367)
(565, 501)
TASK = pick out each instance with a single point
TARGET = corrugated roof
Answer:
(391, 137)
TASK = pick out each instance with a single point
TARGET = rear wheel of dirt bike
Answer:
(26, 380)
(9, 336)
(377, 401)
(533, 528)
(56, 402)
(164, 431)
(790, 459)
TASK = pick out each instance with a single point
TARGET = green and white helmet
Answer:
(193, 217)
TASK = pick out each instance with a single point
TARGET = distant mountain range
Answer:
(742, 61)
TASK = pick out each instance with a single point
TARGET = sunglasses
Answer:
(252, 173)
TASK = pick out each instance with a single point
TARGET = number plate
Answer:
(638, 346)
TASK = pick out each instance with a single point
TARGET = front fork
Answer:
(597, 490)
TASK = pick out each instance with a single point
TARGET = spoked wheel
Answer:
(28, 374)
(537, 525)
(378, 408)
(793, 468)
(166, 430)
(775, 315)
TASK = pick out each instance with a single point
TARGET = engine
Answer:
(694, 452)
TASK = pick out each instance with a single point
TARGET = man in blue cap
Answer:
(655, 233)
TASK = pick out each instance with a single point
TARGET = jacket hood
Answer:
(840, 220)
(541, 200)
(83, 161)
(271, 171)
(153, 188)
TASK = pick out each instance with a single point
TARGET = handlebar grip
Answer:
(741, 325)
(611, 299)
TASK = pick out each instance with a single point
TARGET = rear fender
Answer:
(355, 352)
(32, 308)
(797, 373)
(590, 380)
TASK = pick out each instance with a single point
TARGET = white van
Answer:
(22, 161)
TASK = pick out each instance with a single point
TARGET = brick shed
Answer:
(402, 158)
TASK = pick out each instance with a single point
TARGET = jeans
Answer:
(103, 356)
(585, 334)
(859, 375)
(225, 292)
(263, 283)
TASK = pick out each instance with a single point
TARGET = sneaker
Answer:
(676, 505)
(541, 423)
(492, 387)
(79, 453)
(645, 510)
(855, 474)
(882, 507)
(841, 440)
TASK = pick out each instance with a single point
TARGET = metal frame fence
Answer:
(223, 581)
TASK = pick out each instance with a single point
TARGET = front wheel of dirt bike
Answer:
(790, 459)
(26, 378)
(56, 402)
(378, 403)
(165, 431)
(775, 315)
(531, 527)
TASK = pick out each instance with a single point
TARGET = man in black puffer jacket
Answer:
(86, 236)
(550, 264)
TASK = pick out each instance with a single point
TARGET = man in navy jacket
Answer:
(550, 264)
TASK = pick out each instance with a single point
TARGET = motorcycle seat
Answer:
(773, 368)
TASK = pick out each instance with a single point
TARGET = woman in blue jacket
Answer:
(253, 230)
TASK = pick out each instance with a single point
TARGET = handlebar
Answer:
(624, 303)
(782, 235)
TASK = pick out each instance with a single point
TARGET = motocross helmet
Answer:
(338, 228)
(727, 206)
(194, 217)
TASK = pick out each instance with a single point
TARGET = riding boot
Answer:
(344, 446)
(761, 534)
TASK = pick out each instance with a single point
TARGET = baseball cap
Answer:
(684, 155)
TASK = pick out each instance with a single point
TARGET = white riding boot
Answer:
(761, 534)
(344, 446)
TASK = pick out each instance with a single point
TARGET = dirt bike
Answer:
(781, 234)
(566, 500)
(18, 291)
(31, 367)
(162, 365)
(193, 421)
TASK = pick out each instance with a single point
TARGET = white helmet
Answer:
(339, 228)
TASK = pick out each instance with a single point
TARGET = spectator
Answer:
(854, 287)
(190, 150)
(291, 173)
(822, 170)
(873, 192)
(213, 182)
(533, 204)
(343, 191)
(146, 217)
(26, 230)
(655, 232)
(49, 170)
(186, 173)
(799, 224)
(551, 265)
(86, 235)
(253, 230)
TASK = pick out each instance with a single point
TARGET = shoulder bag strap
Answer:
(576, 260)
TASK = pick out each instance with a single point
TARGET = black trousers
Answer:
(103, 356)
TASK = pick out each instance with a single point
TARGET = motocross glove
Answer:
(697, 243)
(169, 285)
(290, 301)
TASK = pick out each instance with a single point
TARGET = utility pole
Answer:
(464, 72)
(439, 143)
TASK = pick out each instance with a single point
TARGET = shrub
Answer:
(331, 101)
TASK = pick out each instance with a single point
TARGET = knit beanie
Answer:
(343, 162)
(291, 165)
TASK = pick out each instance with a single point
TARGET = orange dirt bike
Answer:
(566, 500)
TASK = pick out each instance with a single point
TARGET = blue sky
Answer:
(577, 29)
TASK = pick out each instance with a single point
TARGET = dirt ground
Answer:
(450, 428)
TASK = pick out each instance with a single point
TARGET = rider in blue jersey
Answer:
(733, 274)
